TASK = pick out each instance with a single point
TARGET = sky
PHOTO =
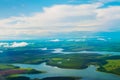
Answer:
(28, 19)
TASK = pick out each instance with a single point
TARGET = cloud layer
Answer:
(62, 18)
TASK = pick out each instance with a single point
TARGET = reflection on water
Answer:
(2, 78)
(89, 73)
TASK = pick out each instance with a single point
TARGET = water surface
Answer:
(89, 73)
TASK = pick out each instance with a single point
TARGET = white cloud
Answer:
(14, 44)
(109, 17)
(63, 18)
(55, 40)
(43, 49)
(77, 40)
(58, 50)
(101, 39)
(21, 44)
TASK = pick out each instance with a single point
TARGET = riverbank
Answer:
(52, 71)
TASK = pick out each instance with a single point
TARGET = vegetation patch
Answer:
(76, 61)
(113, 66)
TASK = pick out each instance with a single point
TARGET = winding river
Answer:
(89, 73)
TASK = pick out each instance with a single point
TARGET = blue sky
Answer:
(28, 18)
(27, 7)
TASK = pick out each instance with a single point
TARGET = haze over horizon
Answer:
(29, 19)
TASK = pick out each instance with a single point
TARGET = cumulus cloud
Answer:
(63, 18)
(21, 44)
(14, 44)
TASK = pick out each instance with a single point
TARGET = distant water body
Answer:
(89, 73)
(60, 50)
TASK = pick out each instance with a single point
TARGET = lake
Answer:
(61, 50)
(89, 73)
